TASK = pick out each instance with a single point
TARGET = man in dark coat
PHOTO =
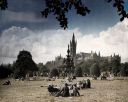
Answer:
(65, 91)
(88, 83)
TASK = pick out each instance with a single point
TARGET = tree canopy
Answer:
(59, 8)
(43, 69)
(24, 64)
(95, 70)
(5, 70)
(54, 72)
(124, 69)
(78, 72)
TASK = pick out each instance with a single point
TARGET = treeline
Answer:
(5, 70)
(25, 65)
(94, 67)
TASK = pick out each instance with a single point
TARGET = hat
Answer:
(66, 84)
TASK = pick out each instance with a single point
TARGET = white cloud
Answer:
(45, 45)
(113, 40)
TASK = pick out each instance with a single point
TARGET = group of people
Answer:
(84, 84)
(69, 89)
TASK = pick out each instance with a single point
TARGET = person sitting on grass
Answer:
(65, 91)
(75, 90)
(84, 84)
(7, 83)
(71, 90)
(79, 85)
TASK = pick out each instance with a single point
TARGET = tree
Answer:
(3, 4)
(95, 70)
(104, 65)
(85, 66)
(124, 69)
(24, 64)
(59, 8)
(78, 72)
(5, 71)
(54, 72)
(116, 64)
(43, 69)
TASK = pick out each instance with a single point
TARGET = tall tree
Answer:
(5, 71)
(116, 64)
(78, 72)
(24, 64)
(95, 70)
(124, 69)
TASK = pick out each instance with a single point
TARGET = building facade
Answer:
(79, 57)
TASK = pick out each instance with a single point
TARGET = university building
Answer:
(78, 57)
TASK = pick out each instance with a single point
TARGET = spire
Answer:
(73, 38)
(73, 35)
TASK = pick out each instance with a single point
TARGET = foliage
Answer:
(116, 64)
(112, 64)
(124, 69)
(85, 66)
(3, 4)
(59, 8)
(54, 72)
(78, 72)
(5, 71)
(24, 64)
(95, 70)
(43, 69)
(119, 4)
(104, 65)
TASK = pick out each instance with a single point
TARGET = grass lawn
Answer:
(31, 91)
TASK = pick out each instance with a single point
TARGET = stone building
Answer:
(79, 57)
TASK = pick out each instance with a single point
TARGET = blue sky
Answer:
(22, 27)
(101, 17)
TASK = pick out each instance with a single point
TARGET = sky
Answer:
(22, 27)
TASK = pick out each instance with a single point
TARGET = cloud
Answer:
(113, 40)
(22, 16)
(45, 45)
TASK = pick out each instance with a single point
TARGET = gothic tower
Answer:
(73, 44)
